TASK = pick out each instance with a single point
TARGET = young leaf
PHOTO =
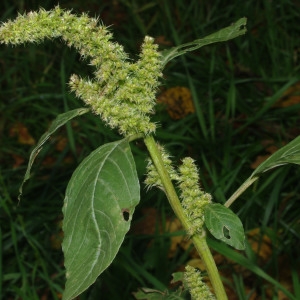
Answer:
(224, 225)
(222, 35)
(151, 294)
(290, 153)
(60, 120)
(177, 276)
(148, 294)
(98, 207)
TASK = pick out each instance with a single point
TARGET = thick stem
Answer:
(210, 265)
(165, 179)
(199, 241)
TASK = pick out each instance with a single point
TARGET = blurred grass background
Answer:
(244, 103)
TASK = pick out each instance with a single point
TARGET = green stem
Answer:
(210, 265)
(165, 179)
(199, 241)
(240, 190)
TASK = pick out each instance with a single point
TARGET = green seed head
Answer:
(194, 200)
(194, 281)
(122, 93)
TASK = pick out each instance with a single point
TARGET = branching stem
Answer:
(240, 190)
(199, 241)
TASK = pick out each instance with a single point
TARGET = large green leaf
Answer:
(290, 153)
(222, 35)
(98, 207)
(60, 120)
(224, 225)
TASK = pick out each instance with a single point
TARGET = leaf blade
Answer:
(59, 121)
(221, 221)
(290, 153)
(102, 189)
(222, 35)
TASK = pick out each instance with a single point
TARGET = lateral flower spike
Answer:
(194, 281)
(194, 200)
(122, 93)
(153, 178)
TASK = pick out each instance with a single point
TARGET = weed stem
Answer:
(240, 190)
(198, 240)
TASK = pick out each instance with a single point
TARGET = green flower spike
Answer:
(122, 93)
(193, 198)
(198, 289)
(153, 178)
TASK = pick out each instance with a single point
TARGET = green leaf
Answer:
(60, 120)
(150, 294)
(177, 276)
(222, 35)
(224, 225)
(290, 153)
(98, 207)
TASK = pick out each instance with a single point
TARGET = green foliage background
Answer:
(235, 88)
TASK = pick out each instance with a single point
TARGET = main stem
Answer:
(199, 241)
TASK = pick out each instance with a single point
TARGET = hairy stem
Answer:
(165, 179)
(199, 241)
(211, 268)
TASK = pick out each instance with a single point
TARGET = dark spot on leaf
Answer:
(226, 232)
(126, 214)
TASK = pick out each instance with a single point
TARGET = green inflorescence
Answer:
(122, 93)
(198, 289)
(153, 178)
(194, 200)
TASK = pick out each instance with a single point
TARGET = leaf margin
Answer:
(59, 121)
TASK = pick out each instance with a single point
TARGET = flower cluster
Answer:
(193, 198)
(153, 178)
(198, 289)
(122, 93)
